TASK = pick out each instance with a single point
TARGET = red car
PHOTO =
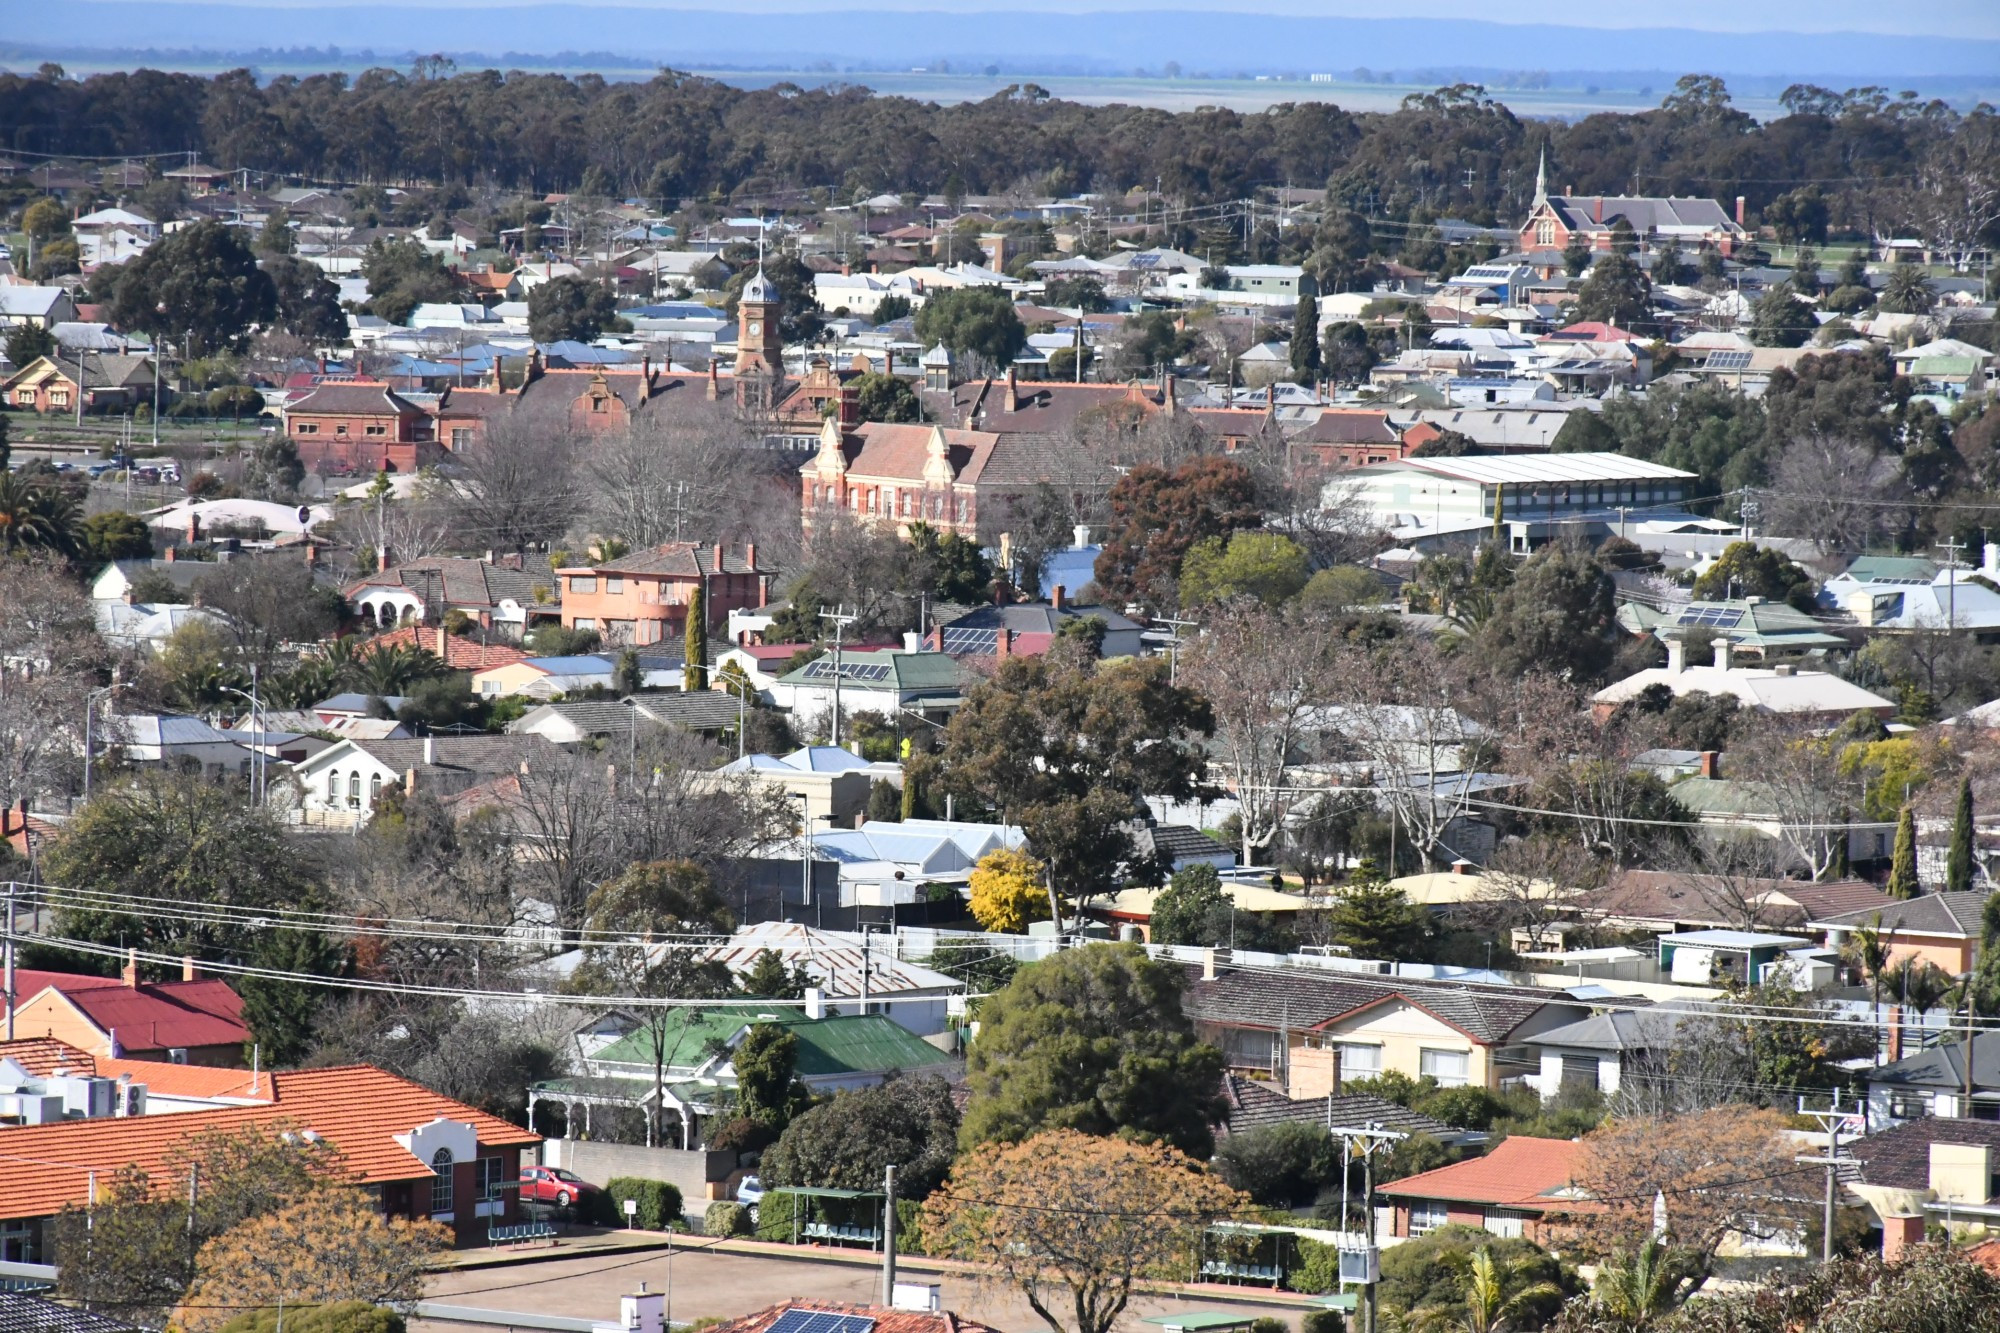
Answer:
(552, 1184)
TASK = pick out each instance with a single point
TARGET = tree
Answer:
(1932, 1288)
(1008, 890)
(1094, 1040)
(402, 275)
(1305, 340)
(1430, 1277)
(845, 1143)
(890, 309)
(135, 1249)
(1805, 271)
(1371, 918)
(200, 282)
(1497, 1294)
(1265, 565)
(340, 1317)
(1781, 319)
(569, 308)
(1190, 909)
(327, 1246)
(1670, 267)
(515, 484)
(694, 675)
(27, 343)
(1157, 516)
(1636, 1293)
(1279, 1165)
(1616, 293)
(1085, 294)
(768, 1089)
(1557, 616)
(1908, 291)
(1958, 862)
(37, 517)
(881, 397)
(973, 321)
(183, 838)
(308, 300)
(1064, 1217)
(1745, 569)
(283, 1015)
(1903, 864)
(1799, 216)
(768, 978)
(1729, 1169)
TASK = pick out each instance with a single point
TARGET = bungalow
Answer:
(1933, 1083)
(340, 785)
(417, 1154)
(195, 1020)
(853, 972)
(1130, 911)
(44, 307)
(832, 782)
(553, 677)
(1925, 1174)
(573, 722)
(1939, 928)
(497, 596)
(890, 683)
(1602, 1052)
(1783, 688)
(1521, 1189)
(1028, 628)
(109, 382)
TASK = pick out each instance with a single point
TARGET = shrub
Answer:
(1317, 1271)
(659, 1202)
(1269, 1325)
(726, 1219)
(1323, 1321)
(774, 1216)
(340, 1317)
(910, 1226)
(742, 1135)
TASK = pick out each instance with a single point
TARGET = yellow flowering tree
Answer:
(1008, 891)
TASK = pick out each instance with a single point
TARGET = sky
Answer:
(1940, 18)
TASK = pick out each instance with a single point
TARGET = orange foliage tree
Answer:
(1069, 1218)
(326, 1245)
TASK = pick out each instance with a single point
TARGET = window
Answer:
(461, 437)
(1360, 1061)
(441, 1181)
(374, 789)
(1426, 1216)
(1545, 234)
(333, 786)
(59, 397)
(614, 584)
(308, 428)
(1447, 1067)
(25, 397)
(486, 1179)
(354, 789)
(375, 430)
(583, 585)
(340, 430)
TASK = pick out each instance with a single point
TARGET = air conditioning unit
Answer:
(178, 1055)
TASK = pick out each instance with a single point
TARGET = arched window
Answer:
(354, 788)
(441, 1181)
(374, 789)
(333, 787)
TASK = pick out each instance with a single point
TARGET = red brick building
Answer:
(1521, 1188)
(1344, 438)
(642, 598)
(357, 426)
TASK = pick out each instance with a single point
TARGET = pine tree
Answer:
(1958, 867)
(1903, 869)
(1305, 340)
(694, 675)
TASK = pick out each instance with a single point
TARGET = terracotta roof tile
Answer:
(1522, 1172)
(460, 654)
(1900, 1158)
(42, 1056)
(358, 1108)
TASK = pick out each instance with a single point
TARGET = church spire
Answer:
(1542, 177)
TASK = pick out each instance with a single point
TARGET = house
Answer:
(891, 863)
(350, 426)
(456, 651)
(195, 1020)
(833, 783)
(1175, 847)
(43, 1080)
(1755, 626)
(417, 1154)
(1603, 1052)
(340, 785)
(44, 307)
(200, 520)
(889, 683)
(1026, 629)
(21, 1312)
(1939, 928)
(854, 972)
(497, 596)
(110, 382)
(573, 722)
(146, 626)
(553, 677)
(1553, 220)
(1129, 912)
(882, 472)
(681, 1065)
(642, 598)
(1520, 1189)
(1933, 1083)
(1782, 688)
(1311, 1031)
(1350, 437)
(1252, 1104)
(1668, 901)
(1703, 957)
(1925, 1174)
(187, 744)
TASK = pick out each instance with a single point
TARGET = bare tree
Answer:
(516, 486)
(1798, 789)
(1738, 876)
(50, 657)
(700, 474)
(1529, 883)
(1834, 490)
(417, 527)
(1263, 671)
(1956, 201)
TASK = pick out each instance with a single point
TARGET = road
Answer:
(726, 1285)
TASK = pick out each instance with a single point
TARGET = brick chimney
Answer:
(1003, 643)
(1724, 652)
(1012, 401)
(381, 559)
(714, 382)
(1711, 763)
(129, 974)
(1739, 210)
(193, 528)
(443, 645)
(188, 970)
(312, 555)
(169, 555)
(1057, 596)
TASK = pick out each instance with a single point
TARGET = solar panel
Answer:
(822, 669)
(820, 1321)
(1722, 617)
(971, 642)
(1727, 361)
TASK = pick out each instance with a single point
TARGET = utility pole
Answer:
(1830, 1120)
(841, 620)
(1174, 646)
(1951, 547)
(1365, 1141)
(888, 1231)
(12, 888)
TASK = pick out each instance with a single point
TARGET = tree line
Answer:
(1455, 150)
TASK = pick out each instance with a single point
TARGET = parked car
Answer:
(552, 1184)
(751, 1193)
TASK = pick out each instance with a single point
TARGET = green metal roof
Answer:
(860, 1043)
(1873, 568)
(685, 1035)
(906, 671)
(1751, 624)
(1722, 796)
(1201, 1320)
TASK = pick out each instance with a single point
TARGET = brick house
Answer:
(417, 1154)
(642, 598)
(357, 426)
(47, 385)
(1343, 438)
(1521, 1188)
(1554, 219)
(196, 1020)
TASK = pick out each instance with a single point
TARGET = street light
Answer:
(257, 724)
(89, 748)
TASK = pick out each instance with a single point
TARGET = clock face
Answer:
(756, 327)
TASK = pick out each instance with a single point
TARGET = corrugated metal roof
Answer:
(1541, 469)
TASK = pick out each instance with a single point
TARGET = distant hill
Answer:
(1099, 42)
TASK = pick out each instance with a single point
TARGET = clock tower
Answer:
(760, 350)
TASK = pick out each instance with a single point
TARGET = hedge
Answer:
(340, 1317)
(774, 1216)
(659, 1202)
(726, 1219)
(1323, 1321)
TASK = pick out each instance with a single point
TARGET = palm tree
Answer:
(392, 668)
(1909, 291)
(304, 685)
(1921, 984)
(36, 517)
(1493, 1301)
(1636, 1295)
(1867, 949)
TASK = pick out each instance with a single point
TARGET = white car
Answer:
(750, 1193)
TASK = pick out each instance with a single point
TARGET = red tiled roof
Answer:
(1522, 1172)
(459, 654)
(42, 1056)
(886, 1320)
(358, 1108)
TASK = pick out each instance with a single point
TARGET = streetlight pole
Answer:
(257, 729)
